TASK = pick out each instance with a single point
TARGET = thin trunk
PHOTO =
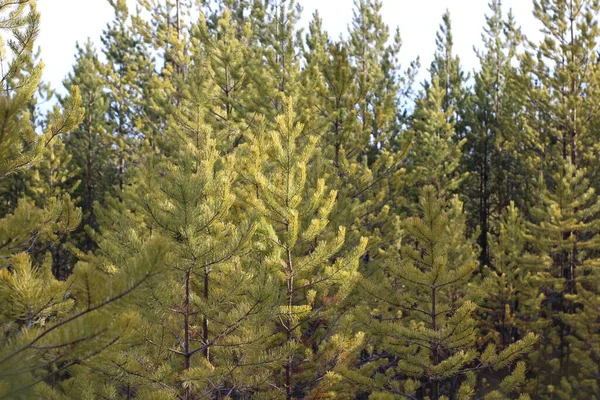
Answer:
(290, 289)
(121, 156)
(187, 328)
(89, 184)
(484, 211)
(205, 320)
(178, 19)
(435, 384)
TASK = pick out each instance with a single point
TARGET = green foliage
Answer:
(48, 325)
(53, 325)
(510, 291)
(224, 61)
(424, 325)
(435, 153)
(374, 54)
(226, 206)
(301, 251)
(566, 229)
(445, 67)
(584, 337)
(495, 153)
(127, 69)
(203, 328)
(90, 146)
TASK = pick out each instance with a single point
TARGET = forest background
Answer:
(221, 205)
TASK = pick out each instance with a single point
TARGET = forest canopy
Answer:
(226, 206)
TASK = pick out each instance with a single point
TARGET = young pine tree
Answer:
(48, 326)
(566, 228)
(127, 70)
(560, 109)
(512, 283)
(205, 320)
(452, 79)
(368, 176)
(377, 75)
(585, 381)
(423, 333)
(490, 154)
(311, 334)
(275, 54)
(90, 144)
(223, 58)
(435, 153)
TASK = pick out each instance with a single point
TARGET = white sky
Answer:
(65, 22)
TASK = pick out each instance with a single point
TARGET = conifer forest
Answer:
(222, 205)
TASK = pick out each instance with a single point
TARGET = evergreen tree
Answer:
(362, 187)
(368, 176)
(511, 297)
(452, 79)
(90, 145)
(488, 155)
(220, 250)
(378, 75)
(426, 332)
(223, 59)
(311, 333)
(166, 33)
(561, 111)
(566, 227)
(435, 153)
(127, 69)
(20, 146)
(17, 185)
(48, 325)
(205, 321)
(276, 64)
(585, 382)
(53, 179)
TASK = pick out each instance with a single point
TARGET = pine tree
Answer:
(20, 146)
(223, 58)
(511, 297)
(435, 153)
(378, 75)
(209, 258)
(491, 115)
(276, 65)
(565, 73)
(90, 145)
(368, 176)
(311, 333)
(17, 185)
(166, 32)
(566, 227)
(585, 382)
(360, 204)
(206, 318)
(452, 79)
(560, 109)
(128, 67)
(426, 334)
(47, 325)
(54, 179)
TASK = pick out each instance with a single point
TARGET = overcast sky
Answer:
(65, 22)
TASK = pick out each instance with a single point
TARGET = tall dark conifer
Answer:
(91, 144)
(487, 155)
